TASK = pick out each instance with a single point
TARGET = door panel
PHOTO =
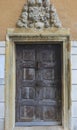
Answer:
(27, 93)
(28, 73)
(38, 83)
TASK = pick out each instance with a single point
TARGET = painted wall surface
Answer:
(10, 11)
(2, 83)
(74, 85)
(73, 92)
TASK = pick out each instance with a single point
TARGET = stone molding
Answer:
(30, 36)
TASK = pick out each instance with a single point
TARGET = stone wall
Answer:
(73, 92)
(74, 84)
(2, 83)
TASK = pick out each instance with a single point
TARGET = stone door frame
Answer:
(28, 36)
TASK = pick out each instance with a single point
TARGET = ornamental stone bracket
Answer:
(38, 14)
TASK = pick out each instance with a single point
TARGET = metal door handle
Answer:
(37, 65)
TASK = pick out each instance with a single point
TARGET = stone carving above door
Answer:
(39, 14)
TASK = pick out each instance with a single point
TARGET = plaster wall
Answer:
(2, 83)
(11, 10)
(74, 85)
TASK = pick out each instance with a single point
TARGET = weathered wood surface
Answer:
(38, 94)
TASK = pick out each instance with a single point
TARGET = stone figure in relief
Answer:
(46, 3)
(39, 2)
(31, 2)
(38, 14)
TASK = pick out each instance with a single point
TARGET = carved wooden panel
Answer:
(38, 83)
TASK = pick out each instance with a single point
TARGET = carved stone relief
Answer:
(39, 14)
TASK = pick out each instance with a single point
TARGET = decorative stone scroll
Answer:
(38, 14)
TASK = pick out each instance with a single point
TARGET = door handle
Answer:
(37, 65)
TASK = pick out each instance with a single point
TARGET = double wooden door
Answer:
(38, 84)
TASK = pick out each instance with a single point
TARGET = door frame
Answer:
(29, 36)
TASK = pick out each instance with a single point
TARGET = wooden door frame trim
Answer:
(28, 36)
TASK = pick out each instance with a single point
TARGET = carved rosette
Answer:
(38, 14)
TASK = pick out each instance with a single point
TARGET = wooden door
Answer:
(38, 84)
